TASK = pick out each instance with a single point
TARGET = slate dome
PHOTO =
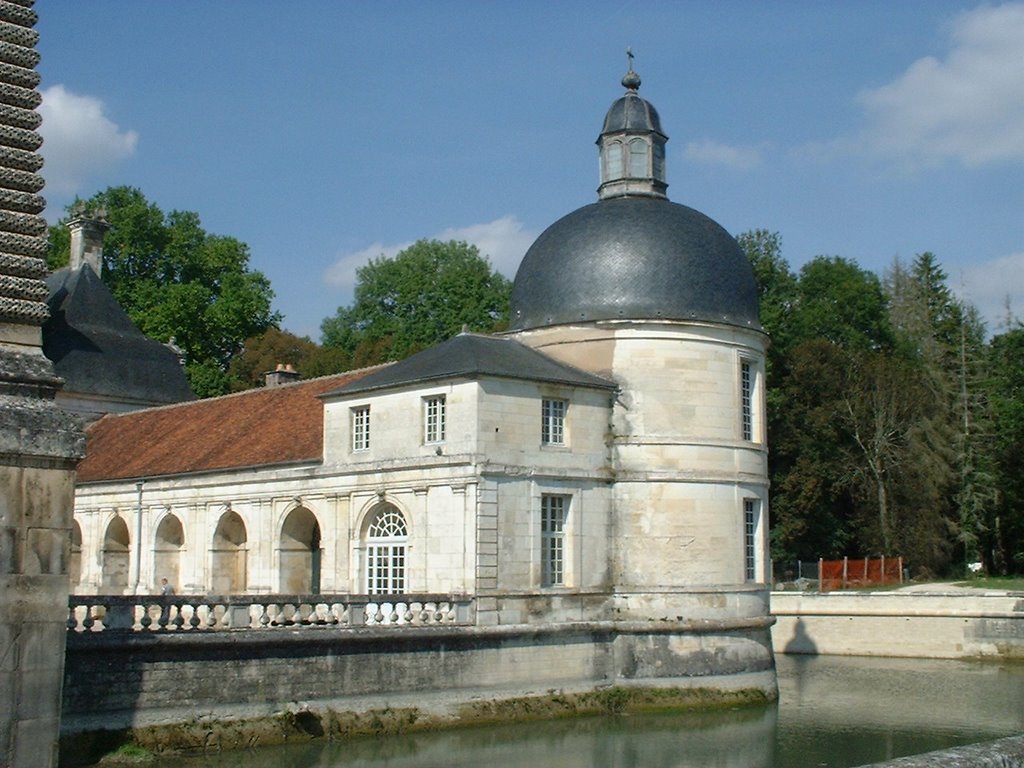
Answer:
(634, 258)
(633, 255)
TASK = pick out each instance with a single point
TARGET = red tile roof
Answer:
(253, 428)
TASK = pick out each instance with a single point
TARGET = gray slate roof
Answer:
(634, 258)
(471, 355)
(633, 114)
(98, 350)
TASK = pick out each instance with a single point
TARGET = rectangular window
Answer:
(361, 428)
(750, 539)
(433, 419)
(747, 399)
(553, 511)
(552, 425)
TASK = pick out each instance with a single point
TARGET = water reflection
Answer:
(832, 712)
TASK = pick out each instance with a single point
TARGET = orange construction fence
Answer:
(859, 572)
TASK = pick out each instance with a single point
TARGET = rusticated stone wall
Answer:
(39, 444)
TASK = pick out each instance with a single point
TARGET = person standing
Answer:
(166, 590)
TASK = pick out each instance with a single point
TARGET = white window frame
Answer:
(553, 413)
(747, 391)
(751, 525)
(360, 422)
(434, 419)
(554, 523)
(387, 539)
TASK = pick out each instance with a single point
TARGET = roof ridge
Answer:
(315, 378)
(244, 392)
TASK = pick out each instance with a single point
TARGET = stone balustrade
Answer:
(192, 613)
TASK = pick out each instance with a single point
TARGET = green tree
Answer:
(813, 514)
(777, 297)
(1004, 542)
(944, 337)
(898, 470)
(265, 352)
(829, 311)
(176, 281)
(840, 302)
(424, 295)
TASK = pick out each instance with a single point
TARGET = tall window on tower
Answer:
(747, 399)
(553, 510)
(361, 428)
(750, 539)
(433, 419)
(552, 423)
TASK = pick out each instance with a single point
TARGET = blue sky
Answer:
(323, 133)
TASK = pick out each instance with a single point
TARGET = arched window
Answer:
(114, 571)
(613, 161)
(386, 539)
(638, 159)
(300, 553)
(228, 555)
(167, 550)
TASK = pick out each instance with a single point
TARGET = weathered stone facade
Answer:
(39, 444)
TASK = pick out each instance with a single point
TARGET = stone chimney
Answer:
(283, 374)
(87, 230)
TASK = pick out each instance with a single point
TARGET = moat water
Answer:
(832, 713)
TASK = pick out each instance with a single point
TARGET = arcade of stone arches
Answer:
(383, 543)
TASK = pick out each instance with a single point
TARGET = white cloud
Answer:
(967, 106)
(78, 139)
(709, 152)
(342, 273)
(989, 286)
(504, 241)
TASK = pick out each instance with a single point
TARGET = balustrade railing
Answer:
(194, 613)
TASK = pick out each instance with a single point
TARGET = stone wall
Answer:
(946, 626)
(134, 679)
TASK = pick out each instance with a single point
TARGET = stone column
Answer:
(39, 444)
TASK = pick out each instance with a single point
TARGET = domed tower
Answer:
(661, 299)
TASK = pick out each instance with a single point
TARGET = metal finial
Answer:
(632, 80)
